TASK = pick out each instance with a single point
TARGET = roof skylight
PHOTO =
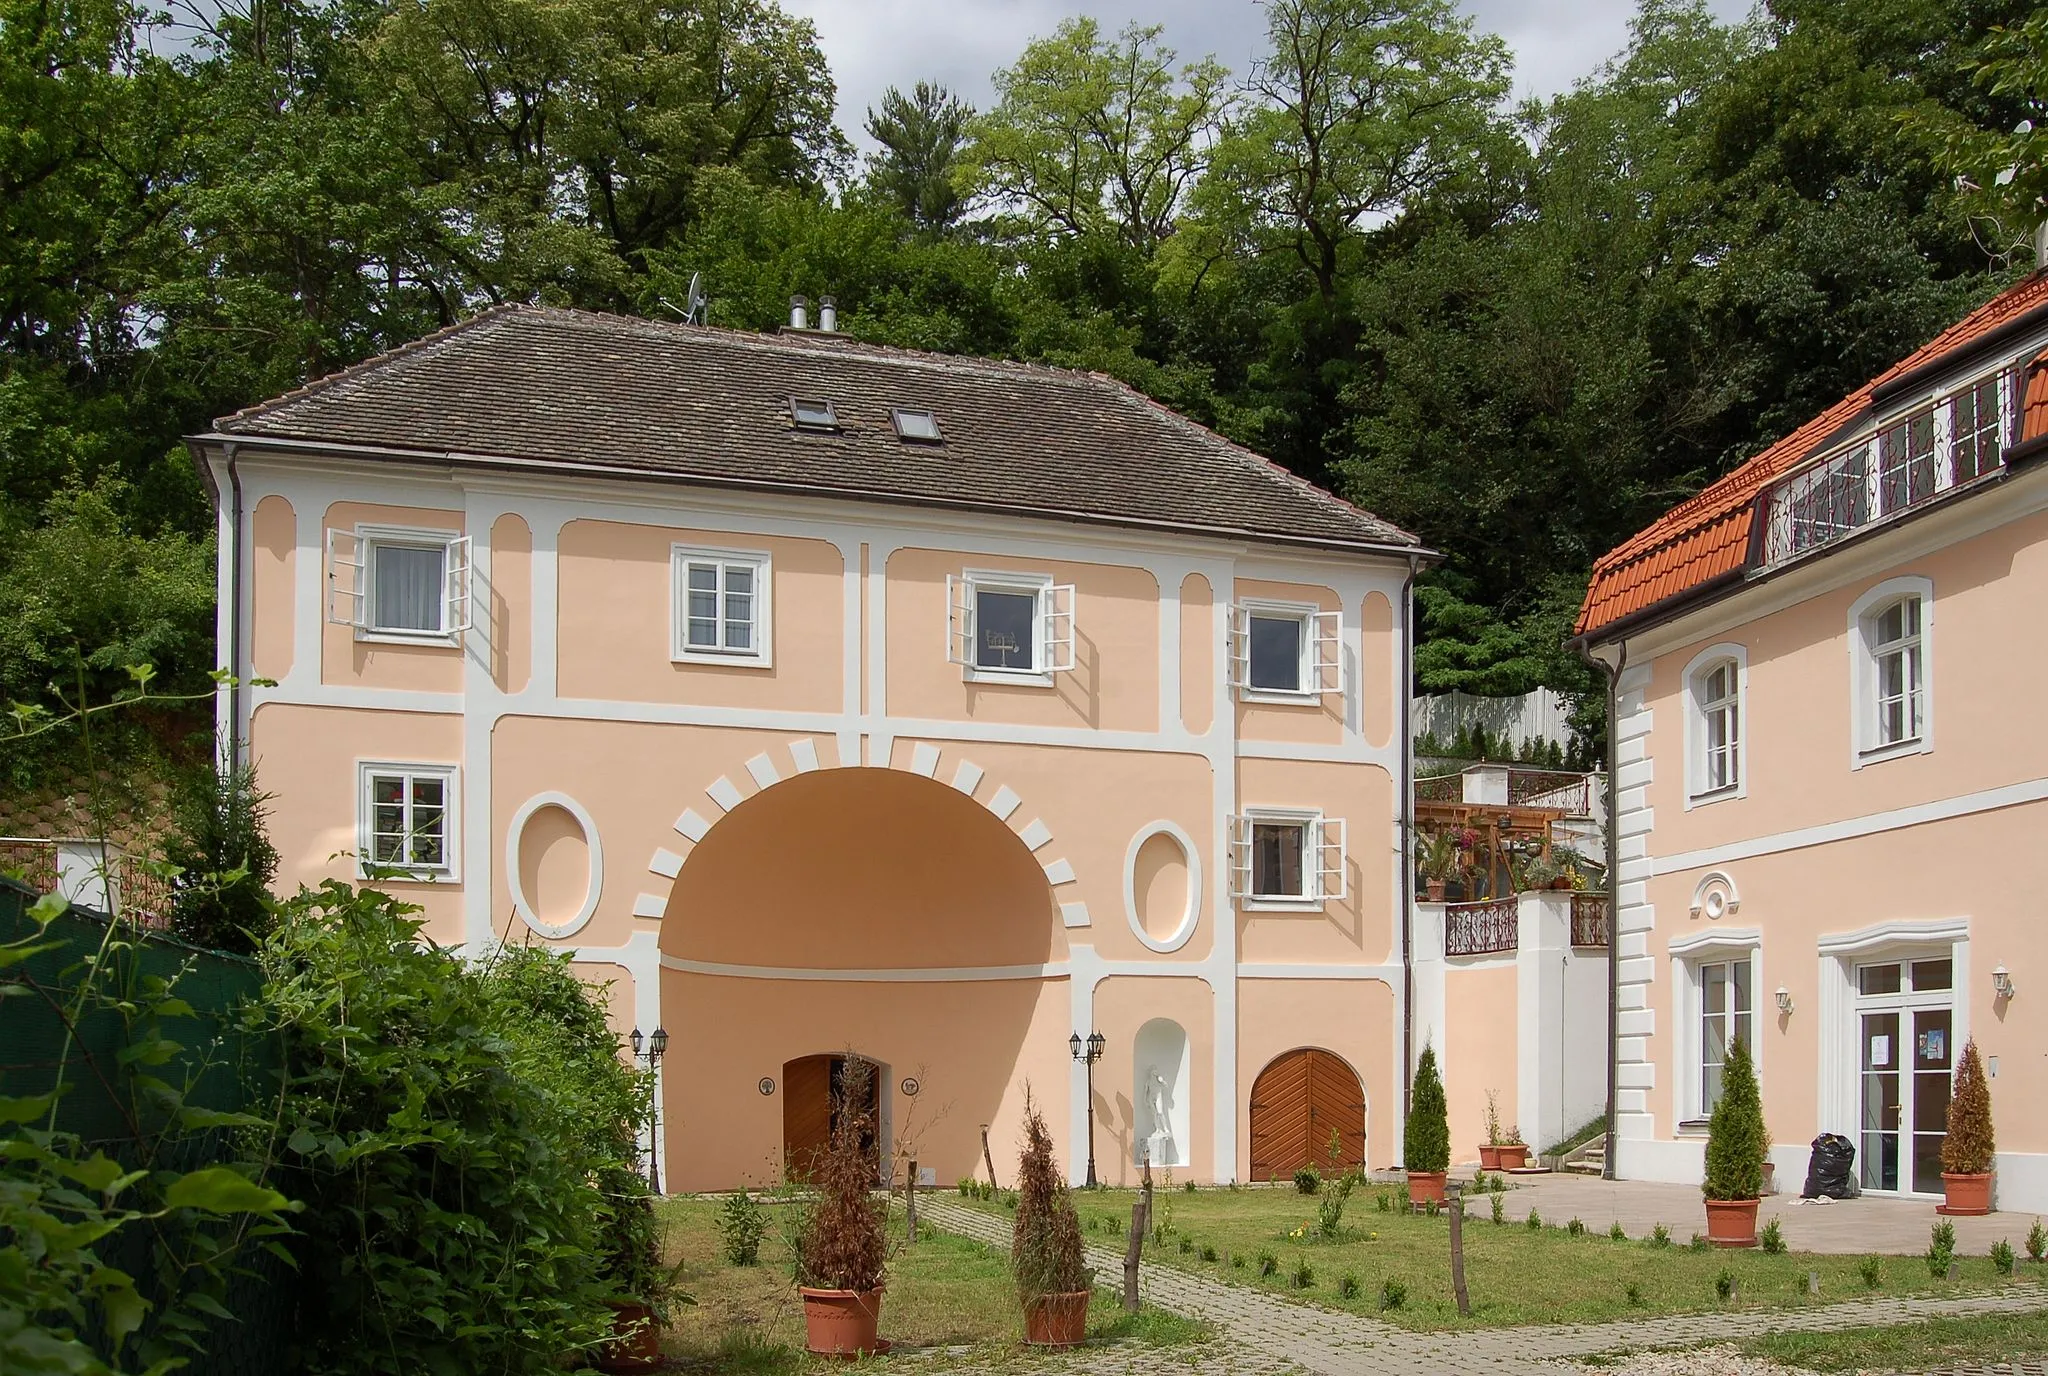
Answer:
(812, 414)
(917, 425)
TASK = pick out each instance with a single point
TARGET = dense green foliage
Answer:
(1518, 330)
(1426, 1145)
(1736, 1139)
(225, 862)
(462, 1136)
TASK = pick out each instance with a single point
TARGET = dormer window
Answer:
(812, 414)
(917, 425)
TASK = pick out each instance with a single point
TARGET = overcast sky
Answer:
(875, 44)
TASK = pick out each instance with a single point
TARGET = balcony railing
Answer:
(1477, 929)
(1589, 919)
(1924, 454)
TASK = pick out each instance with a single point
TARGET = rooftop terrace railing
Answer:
(1926, 453)
(1478, 929)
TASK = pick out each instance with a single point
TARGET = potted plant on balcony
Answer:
(843, 1249)
(1489, 1150)
(1735, 1153)
(1968, 1149)
(1053, 1282)
(1514, 1152)
(1427, 1145)
(1439, 855)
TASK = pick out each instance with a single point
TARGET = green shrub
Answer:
(1872, 1272)
(1941, 1248)
(1384, 1201)
(1348, 1286)
(1500, 1212)
(1269, 1264)
(2037, 1241)
(1969, 1147)
(1772, 1239)
(1634, 1294)
(464, 1137)
(1237, 1263)
(1330, 1209)
(1534, 1221)
(1431, 1207)
(1735, 1132)
(1575, 1227)
(1660, 1236)
(1307, 1180)
(741, 1224)
(1616, 1233)
(1724, 1284)
(1188, 1187)
(968, 1189)
(1427, 1144)
(1304, 1274)
(1393, 1293)
(1699, 1242)
(1187, 1246)
(224, 862)
(1208, 1252)
(2002, 1257)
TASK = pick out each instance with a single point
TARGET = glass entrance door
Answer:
(1906, 1051)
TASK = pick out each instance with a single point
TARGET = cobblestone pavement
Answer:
(1338, 1344)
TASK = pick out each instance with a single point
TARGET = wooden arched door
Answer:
(1297, 1102)
(813, 1099)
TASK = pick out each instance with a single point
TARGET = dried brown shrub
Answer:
(844, 1243)
(1045, 1247)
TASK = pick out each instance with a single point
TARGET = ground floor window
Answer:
(1727, 1009)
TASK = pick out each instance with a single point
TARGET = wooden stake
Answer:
(1457, 1192)
(990, 1160)
(1141, 1221)
(910, 1198)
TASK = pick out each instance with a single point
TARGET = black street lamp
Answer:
(1091, 1052)
(656, 1046)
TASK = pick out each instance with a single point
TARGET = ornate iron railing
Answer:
(1441, 788)
(1477, 929)
(1589, 919)
(1919, 456)
(1561, 789)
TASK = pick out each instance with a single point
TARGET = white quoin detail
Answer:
(346, 579)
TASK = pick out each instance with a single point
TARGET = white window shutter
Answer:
(1326, 652)
(1240, 857)
(959, 620)
(457, 599)
(346, 578)
(1056, 629)
(1329, 845)
(1240, 675)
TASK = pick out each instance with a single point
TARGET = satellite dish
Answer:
(693, 310)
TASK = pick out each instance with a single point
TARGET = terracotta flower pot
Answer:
(1424, 1186)
(636, 1344)
(841, 1323)
(1966, 1195)
(1489, 1158)
(1731, 1222)
(1513, 1155)
(1435, 889)
(1057, 1320)
(1561, 882)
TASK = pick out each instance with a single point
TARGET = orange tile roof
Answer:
(1706, 537)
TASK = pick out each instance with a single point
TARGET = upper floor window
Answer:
(1716, 683)
(399, 583)
(406, 819)
(1009, 626)
(1890, 632)
(1979, 428)
(1287, 857)
(1285, 650)
(722, 605)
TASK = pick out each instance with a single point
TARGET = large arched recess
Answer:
(871, 910)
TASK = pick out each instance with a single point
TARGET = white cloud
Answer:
(874, 44)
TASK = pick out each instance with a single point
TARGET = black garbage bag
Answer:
(1831, 1170)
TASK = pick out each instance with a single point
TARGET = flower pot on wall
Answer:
(1966, 1195)
(1057, 1320)
(1424, 1186)
(1513, 1155)
(1489, 1158)
(1435, 889)
(636, 1341)
(841, 1323)
(1731, 1222)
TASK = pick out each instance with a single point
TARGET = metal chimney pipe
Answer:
(799, 313)
(828, 314)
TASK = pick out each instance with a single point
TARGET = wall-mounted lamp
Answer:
(2001, 983)
(1784, 1000)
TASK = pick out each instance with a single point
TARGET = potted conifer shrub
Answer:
(843, 1249)
(1967, 1150)
(1735, 1153)
(1053, 1283)
(1427, 1147)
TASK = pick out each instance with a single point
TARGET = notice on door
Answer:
(1880, 1051)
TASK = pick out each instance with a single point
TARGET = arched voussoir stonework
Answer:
(768, 769)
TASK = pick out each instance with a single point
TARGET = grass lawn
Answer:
(944, 1291)
(1268, 1237)
(1989, 1340)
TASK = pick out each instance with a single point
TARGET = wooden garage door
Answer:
(1296, 1102)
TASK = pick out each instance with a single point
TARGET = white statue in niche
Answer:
(1157, 1129)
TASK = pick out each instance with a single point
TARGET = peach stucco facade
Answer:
(852, 845)
(1880, 901)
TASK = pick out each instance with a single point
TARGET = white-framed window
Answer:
(1009, 627)
(400, 584)
(723, 601)
(406, 819)
(1716, 690)
(1286, 857)
(1285, 651)
(1718, 976)
(1891, 646)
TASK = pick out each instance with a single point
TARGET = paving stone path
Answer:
(1337, 1344)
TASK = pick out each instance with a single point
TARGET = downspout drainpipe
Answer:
(233, 657)
(1407, 873)
(1612, 673)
